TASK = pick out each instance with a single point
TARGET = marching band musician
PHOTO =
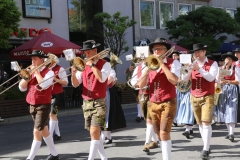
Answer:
(143, 98)
(162, 93)
(94, 79)
(237, 64)
(184, 113)
(203, 76)
(40, 104)
(61, 80)
(115, 118)
(228, 100)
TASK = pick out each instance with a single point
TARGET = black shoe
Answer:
(138, 119)
(142, 118)
(191, 132)
(51, 157)
(57, 138)
(186, 133)
(231, 137)
(175, 124)
(227, 136)
(204, 155)
(108, 141)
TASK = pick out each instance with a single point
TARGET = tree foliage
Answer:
(114, 31)
(206, 25)
(9, 18)
(237, 18)
(77, 16)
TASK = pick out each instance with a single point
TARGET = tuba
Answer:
(184, 86)
(114, 60)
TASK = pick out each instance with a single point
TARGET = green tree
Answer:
(77, 16)
(9, 22)
(237, 18)
(113, 31)
(206, 25)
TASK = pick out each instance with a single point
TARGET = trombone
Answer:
(25, 73)
(153, 63)
(77, 62)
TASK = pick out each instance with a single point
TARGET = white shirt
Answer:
(62, 74)
(209, 76)
(113, 74)
(135, 79)
(105, 73)
(237, 74)
(45, 83)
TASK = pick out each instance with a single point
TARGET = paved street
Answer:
(16, 139)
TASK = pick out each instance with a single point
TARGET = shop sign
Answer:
(32, 32)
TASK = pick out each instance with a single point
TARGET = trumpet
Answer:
(153, 63)
(77, 62)
(26, 73)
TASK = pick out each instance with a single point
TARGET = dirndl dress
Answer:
(227, 106)
(115, 118)
(184, 113)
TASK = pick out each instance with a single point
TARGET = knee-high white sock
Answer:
(35, 146)
(201, 130)
(49, 142)
(148, 133)
(56, 129)
(154, 137)
(207, 134)
(109, 136)
(166, 149)
(93, 149)
(187, 128)
(101, 150)
(103, 135)
(227, 124)
(190, 128)
(231, 128)
(139, 110)
(52, 127)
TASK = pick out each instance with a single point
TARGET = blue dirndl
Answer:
(184, 113)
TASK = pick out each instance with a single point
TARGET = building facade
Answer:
(152, 15)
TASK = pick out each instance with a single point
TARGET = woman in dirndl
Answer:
(184, 113)
(227, 106)
(115, 118)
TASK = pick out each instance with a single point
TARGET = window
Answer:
(76, 15)
(231, 11)
(147, 14)
(183, 9)
(166, 13)
(197, 6)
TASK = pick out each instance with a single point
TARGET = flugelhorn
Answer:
(153, 63)
(26, 73)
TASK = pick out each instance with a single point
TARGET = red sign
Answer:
(32, 32)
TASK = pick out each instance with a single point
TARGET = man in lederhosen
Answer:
(94, 79)
(162, 93)
(203, 74)
(40, 104)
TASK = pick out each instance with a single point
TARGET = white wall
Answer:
(59, 24)
(125, 7)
